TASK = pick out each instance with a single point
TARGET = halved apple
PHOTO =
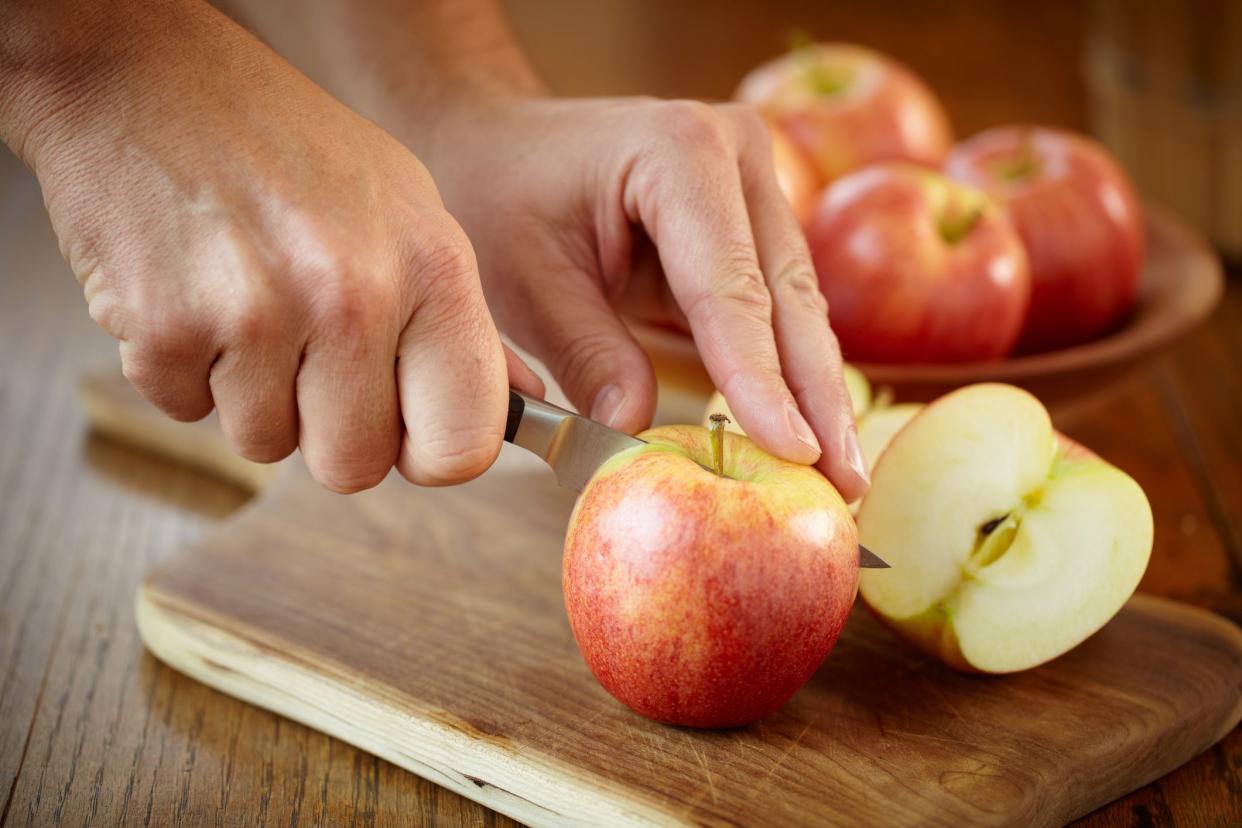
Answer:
(877, 427)
(1008, 544)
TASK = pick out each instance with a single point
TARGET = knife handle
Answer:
(517, 407)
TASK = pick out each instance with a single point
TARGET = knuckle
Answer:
(263, 441)
(352, 302)
(796, 282)
(694, 125)
(740, 289)
(455, 457)
(447, 259)
(249, 319)
(347, 477)
(163, 383)
(750, 124)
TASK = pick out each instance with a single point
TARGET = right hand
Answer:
(259, 248)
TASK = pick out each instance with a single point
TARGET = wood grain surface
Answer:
(426, 626)
(94, 731)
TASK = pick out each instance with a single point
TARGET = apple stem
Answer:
(718, 432)
(955, 228)
(1023, 164)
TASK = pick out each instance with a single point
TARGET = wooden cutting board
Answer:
(426, 627)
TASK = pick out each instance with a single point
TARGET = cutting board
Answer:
(426, 627)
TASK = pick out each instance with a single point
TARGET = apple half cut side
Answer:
(877, 428)
(1009, 545)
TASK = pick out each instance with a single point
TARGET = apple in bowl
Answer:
(707, 597)
(1079, 220)
(846, 106)
(797, 179)
(918, 268)
(1009, 544)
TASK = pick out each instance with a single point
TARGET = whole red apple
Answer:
(918, 268)
(1079, 220)
(706, 599)
(847, 106)
(796, 176)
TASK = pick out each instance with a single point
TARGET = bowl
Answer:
(1181, 284)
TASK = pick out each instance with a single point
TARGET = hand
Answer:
(668, 211)
(259, 248)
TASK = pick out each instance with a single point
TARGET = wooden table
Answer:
(93, 730)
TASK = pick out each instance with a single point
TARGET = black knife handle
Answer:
(517, 406)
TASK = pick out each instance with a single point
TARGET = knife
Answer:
(575, 447)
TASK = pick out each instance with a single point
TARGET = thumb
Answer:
(451, 380)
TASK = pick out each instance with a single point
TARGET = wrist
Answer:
(67, 69)
(424, 73)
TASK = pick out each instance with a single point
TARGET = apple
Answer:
(877, 428)
(847, 106)
(878, 419)
(1009, 545)
(918, 268)
(797, 177)
(856, 386)
(1079, 220)
(706, 597)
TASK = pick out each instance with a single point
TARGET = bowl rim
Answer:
(1182, 305)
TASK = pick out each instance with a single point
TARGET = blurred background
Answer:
(1159, 81)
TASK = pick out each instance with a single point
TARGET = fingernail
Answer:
(802, 429)
(608, 404)
(854, 454)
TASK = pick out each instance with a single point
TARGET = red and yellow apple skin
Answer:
(703, 600)
(846, 106)
(1080, 222)
(918, 268)
(795, 175)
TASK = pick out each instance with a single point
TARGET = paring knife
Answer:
(575, 446)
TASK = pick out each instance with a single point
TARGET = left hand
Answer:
(667, 211)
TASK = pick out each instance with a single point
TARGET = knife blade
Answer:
(575, 446)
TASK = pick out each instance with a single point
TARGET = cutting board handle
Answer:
(116, 410)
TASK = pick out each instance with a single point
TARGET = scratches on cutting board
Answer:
(780, 760)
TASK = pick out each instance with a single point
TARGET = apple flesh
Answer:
(701, 599)
(795, 175)
(918, 268)
(877, 428)
(1008, 544)
(1079, 220)
(846, 106)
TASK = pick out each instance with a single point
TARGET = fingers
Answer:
(170, 371)
(809, 354)
(521, 376)
(349, 421)
(451, 372)
(568, 323)
(694, 208)
(254, 394)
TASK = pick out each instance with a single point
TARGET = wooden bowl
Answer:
(1181, 284)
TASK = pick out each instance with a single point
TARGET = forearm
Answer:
(409, 65)
(74, 73)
